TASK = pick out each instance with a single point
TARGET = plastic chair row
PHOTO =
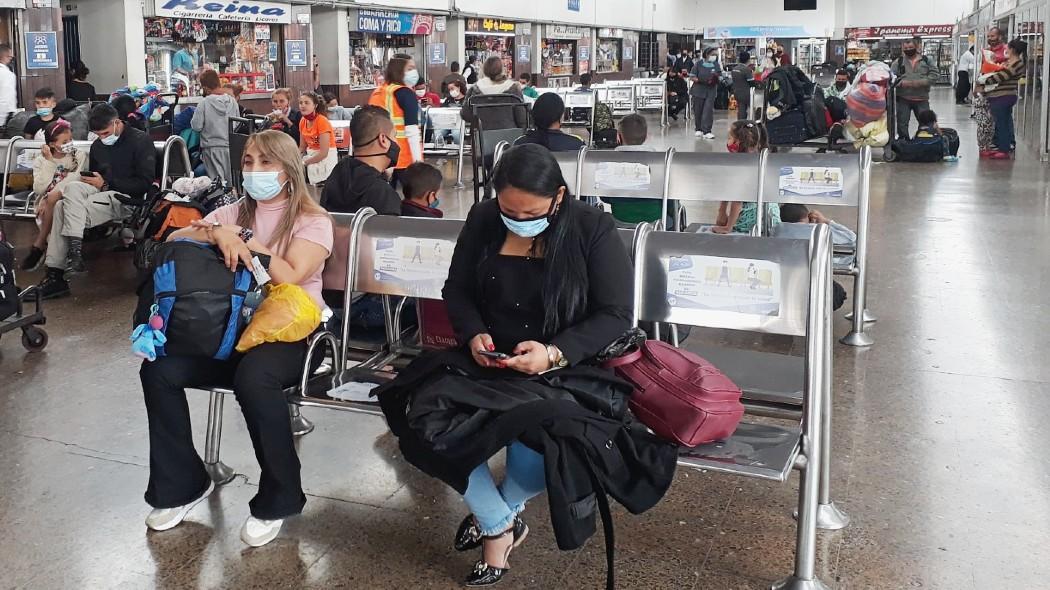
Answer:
(789, 295)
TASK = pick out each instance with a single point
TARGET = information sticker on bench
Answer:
(417, 265)
(622, 176)
(714, 283)
(810, 181)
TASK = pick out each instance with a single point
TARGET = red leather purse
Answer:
(680, 396)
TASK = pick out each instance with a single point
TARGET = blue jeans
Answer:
(494, 506)
(1002, 108)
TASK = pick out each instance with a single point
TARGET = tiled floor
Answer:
(938, 438)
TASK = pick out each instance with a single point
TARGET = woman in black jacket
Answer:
(539, 283)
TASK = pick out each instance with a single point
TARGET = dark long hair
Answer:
(532, 168)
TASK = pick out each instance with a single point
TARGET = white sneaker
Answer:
(162, 519)
(257, 532)
(709, 136)
(699, 134)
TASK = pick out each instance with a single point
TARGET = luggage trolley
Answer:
(34, 338)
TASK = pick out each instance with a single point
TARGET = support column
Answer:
(331, 29)
(34, 20)
(118, 57)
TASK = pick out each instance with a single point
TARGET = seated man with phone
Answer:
(121, 162)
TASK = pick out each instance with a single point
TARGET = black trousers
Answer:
(676, 103)
(962, 87)
(176, 472)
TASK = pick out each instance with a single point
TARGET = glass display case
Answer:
(559, 60)
(485, 46)
(607, 56)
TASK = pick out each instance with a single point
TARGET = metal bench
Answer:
(792, 298)
(441, 119)
(610, 173)
(848, 184)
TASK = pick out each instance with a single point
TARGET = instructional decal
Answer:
(715, 283)
(418, 265)
(811, 181)
(621, 176)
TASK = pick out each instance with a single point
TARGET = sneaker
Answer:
(75, 258)
(985, 154)
(162, 519)
(709, 136)
(699, 133)
(257, 532)
(53, 285)
(999, 156)
(36, 255)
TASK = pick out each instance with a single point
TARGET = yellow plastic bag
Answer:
(287, 314)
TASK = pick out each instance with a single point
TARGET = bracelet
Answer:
(245, 234)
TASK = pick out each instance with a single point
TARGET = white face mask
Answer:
(421, 93)
(455, 93)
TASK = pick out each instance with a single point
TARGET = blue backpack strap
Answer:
(164, 282)
(241, 281)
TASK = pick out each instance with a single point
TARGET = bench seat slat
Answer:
(755, 450)
(762, 376)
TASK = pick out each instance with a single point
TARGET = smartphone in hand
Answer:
(499, 356)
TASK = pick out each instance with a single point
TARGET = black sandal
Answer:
(484, 574)
(468, 536)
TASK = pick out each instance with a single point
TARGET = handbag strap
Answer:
(630, 357)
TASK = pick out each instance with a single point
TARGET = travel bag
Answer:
(787, 129)
(678, 395)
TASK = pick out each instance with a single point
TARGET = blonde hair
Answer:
(280, 147)
(285, 92)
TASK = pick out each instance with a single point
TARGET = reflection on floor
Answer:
(938, 428)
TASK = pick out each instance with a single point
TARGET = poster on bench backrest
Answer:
(416, 267)
(810, 181)
(718, 283)
(622, 176)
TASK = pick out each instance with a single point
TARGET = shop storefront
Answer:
(378, 35)
(566, 53)
(242, 41)
(806, 47)
(487, 37)
(884, 44)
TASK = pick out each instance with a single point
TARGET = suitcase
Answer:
(787, 129)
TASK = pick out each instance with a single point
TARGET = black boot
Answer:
(53, 285)
(33, 260)
(75, 257)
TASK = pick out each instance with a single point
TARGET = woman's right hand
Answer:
(482, 342)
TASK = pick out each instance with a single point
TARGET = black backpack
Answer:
(199, 299)
(8, 291)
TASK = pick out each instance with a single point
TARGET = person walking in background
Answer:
(743, 75)
(913, 92)
(397, 98)
(470, 72)
(703, 92)
(963, 76)
(79, 88)
(1001, 91)
(212, 121)
(8, 84)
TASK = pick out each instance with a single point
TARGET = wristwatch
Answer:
(556, 358)
(245, 234)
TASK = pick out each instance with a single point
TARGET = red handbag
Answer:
(677, 394)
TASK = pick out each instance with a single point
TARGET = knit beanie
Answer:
(866, 103)
(548, 109)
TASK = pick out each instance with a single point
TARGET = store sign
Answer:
(608, 33)
(574, 5)
(566, 32)
(489, 25)
(749, 32)
(902, 31)
(436, 54)
(13, 4)
(41, 50)
(295, 53)
(440, 23)
(249, 11)
(394, 23)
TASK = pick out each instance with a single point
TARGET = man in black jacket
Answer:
(358, 181)
(677, 94)
(122, 162)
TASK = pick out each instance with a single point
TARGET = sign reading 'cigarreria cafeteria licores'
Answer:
(249, 11)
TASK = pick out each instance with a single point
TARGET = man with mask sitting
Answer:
(835, 95)
(358, 181)
(121, 162)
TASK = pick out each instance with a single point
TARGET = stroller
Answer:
(188, 200)
(12, 313)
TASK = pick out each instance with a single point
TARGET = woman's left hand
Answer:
(530, 357)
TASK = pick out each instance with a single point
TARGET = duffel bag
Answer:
(787, 129)
(198, 299)
(680, 396)
(921, 149)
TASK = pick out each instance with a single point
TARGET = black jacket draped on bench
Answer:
(451, 415)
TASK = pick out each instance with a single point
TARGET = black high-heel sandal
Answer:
(468, 536)
(488, 575)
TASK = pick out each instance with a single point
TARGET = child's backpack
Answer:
(925, 147)
(8, 290)
(198, 300)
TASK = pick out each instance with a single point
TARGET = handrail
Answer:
(351, 276)
(172, 140)
(857, 336)
(668, 158)
(7, 168)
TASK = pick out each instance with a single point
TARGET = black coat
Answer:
(129, 165)
(353, 185)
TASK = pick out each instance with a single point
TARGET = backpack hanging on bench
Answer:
(199, 300)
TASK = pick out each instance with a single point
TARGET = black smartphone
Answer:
(499, 356)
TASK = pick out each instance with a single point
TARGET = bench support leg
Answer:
(300, 425)
(804, 577)
(869, 318)
(220, 472)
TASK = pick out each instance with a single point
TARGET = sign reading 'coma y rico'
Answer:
(251, 11)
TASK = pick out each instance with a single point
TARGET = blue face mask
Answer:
(411, 78)
(435, 204)
(262, 186)
(528, 228)
(43, 111)
(109, 139)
